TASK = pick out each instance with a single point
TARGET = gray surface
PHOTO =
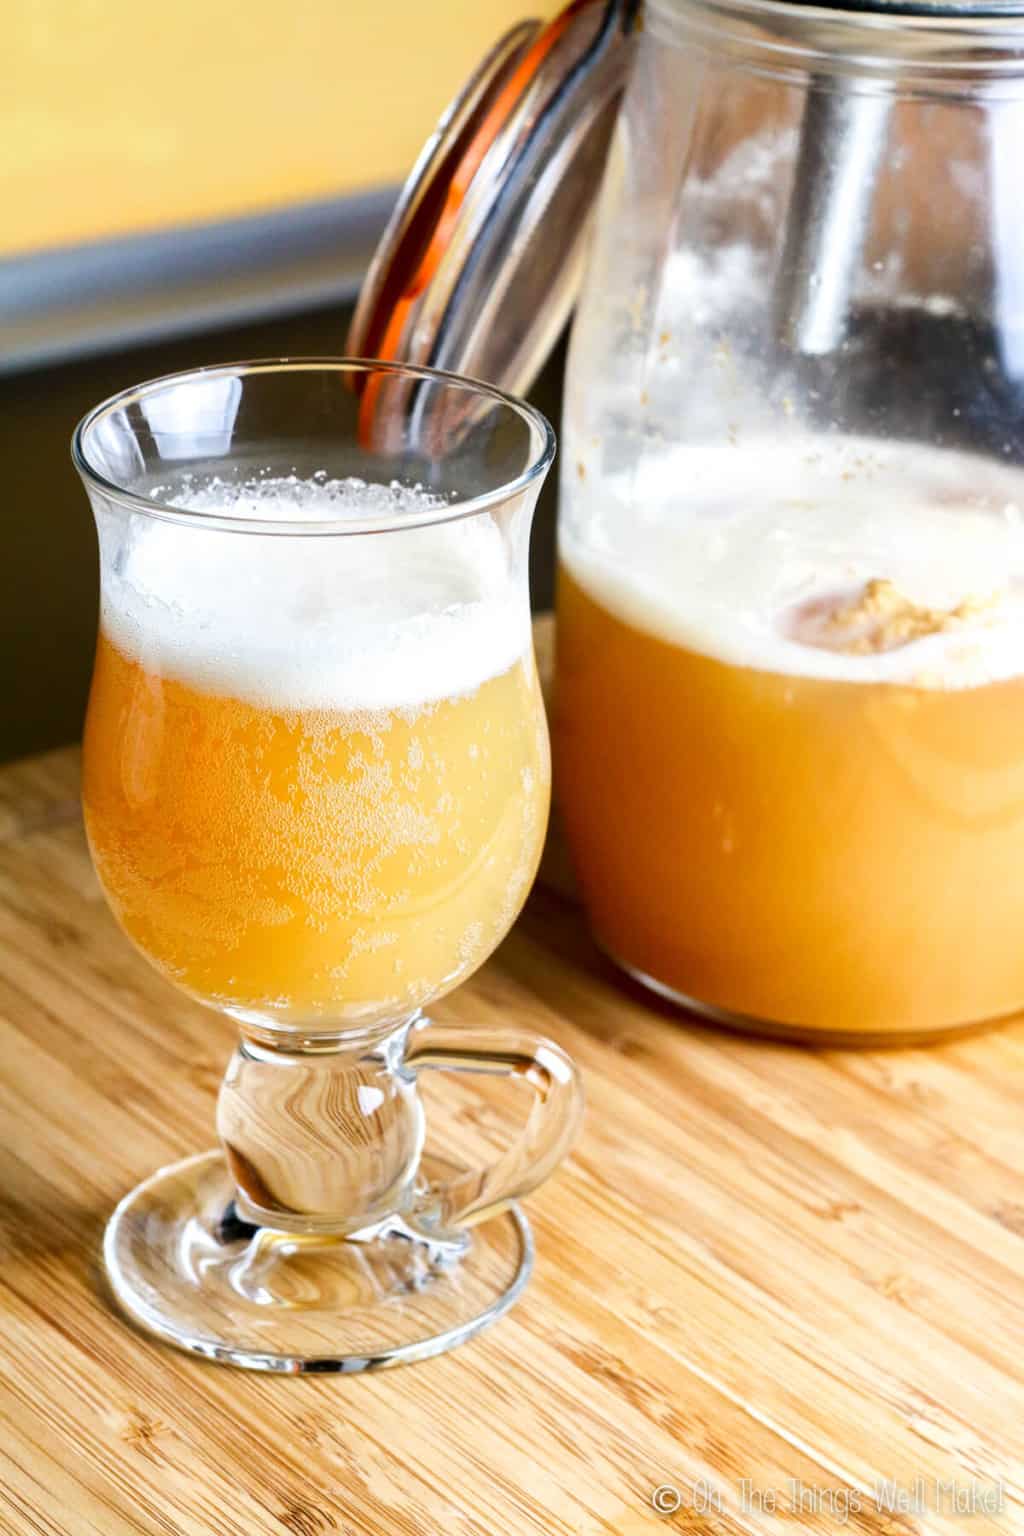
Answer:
(67, 304)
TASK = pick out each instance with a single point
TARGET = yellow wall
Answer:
(118, 116)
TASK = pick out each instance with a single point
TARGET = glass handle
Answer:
(478, 1194)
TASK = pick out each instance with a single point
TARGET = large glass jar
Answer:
(790, 674)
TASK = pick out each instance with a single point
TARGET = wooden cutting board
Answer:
(767, 1281)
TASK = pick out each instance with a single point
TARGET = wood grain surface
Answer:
(761, 1264)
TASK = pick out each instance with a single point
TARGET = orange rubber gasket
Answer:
(498, 114)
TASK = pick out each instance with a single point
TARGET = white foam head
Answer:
(718, 549)
(362, 622)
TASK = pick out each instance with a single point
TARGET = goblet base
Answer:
(183, 1266)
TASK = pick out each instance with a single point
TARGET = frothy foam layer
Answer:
(759, 554)
(368, 622)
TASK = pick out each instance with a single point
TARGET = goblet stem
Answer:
(322, 1135)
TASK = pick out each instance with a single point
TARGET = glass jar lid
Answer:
(480, 263)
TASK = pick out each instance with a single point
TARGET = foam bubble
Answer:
(369, 622)
(720, 548)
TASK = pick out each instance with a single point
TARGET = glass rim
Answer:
(943, 18)
(955, 46)
(132, 501)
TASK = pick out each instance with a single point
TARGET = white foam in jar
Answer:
(381, 621)
(720, 549)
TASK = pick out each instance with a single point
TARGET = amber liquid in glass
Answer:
(313, 864)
